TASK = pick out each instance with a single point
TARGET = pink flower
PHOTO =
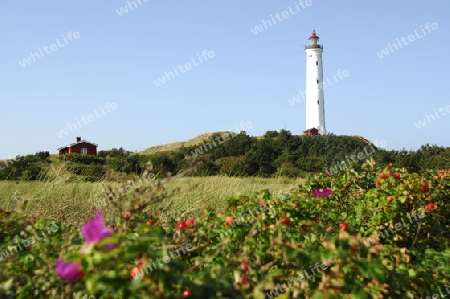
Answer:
(316, 193)
(68, 270)
(326, 192)
(94, 230)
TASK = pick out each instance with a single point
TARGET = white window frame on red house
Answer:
(84, 151)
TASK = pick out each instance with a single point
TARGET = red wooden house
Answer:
(80, 147)
(310, 132)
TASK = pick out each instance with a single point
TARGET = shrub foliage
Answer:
(375, 233)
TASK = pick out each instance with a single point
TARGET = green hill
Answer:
(226, 153)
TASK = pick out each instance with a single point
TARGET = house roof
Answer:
(81, 141)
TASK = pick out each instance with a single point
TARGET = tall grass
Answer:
(195, 194)
(62, 196)
(65, 197)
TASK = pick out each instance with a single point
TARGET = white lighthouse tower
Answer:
(315, 108)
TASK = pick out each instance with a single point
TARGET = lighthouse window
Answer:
(317, 80)
(317, 102)
(317, 63)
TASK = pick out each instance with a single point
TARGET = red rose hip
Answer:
(243, 279)
(244, 266)
(181, 225)
(189, 222)
(284, 220)
(187, 293)
(343, 226)
(424, 187)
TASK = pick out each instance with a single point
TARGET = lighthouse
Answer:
(315, 106)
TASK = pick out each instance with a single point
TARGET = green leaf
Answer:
(291, 253)
(318, 295)
(326, 255)
(360, 294)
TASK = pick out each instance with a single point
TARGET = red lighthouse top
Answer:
(313, 35)
(313, 42)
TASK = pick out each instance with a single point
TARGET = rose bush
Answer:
(395, 248)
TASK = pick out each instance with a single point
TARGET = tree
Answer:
(271, 134)
(238, 145)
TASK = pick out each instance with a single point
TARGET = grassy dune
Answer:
(175, 146)
(74, 202)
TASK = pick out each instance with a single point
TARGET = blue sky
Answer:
(250, 78)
